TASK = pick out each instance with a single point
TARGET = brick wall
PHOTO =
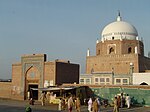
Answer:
(16, 82)
(49, 71)
(5, 89)
(118, 55)
(120, 47)
(144, 63)
(120, 63)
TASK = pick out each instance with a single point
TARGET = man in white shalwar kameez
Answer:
(90, 105)
(128, 101)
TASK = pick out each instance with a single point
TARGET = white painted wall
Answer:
(138, 78)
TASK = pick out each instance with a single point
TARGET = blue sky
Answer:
(63, 29)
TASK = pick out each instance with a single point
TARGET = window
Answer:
(111, 50)
(122, 81)
(102, 80)
(125, 81)
(129, 50)
(96, 81)
(98, 52)
(82, 81)
(87, 81)
(118, 81)
(107, 79)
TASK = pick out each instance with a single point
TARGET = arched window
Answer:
(111, 50)
(129, 50)
(98, 52)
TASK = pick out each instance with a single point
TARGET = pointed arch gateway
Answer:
(32, 79)
(32, 72)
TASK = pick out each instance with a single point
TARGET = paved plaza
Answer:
(7, 105)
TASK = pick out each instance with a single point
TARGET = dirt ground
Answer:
(7, 105)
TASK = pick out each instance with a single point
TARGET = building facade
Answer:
(119, 51)
(105, 78)
(35, 72)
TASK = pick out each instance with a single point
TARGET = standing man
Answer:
(119, 101)
(98, 102)
(116, 108)
(60, 104)
(90, 105)
(28, 94)
(128, 101)
(78, 105)
(43, 98)
(95, 106)
(70, 104)
(122, 101)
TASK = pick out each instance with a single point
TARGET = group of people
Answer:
(70, 103)
(94, 105)
(120, 101)
(46, 96)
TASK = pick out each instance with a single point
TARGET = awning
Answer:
(53, 88)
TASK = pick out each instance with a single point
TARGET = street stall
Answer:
(53, 94)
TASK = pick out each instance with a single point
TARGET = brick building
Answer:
(119, 51)
(34, 71)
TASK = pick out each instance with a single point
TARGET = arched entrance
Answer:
(33, 93)
(143, 83)
(32, 81)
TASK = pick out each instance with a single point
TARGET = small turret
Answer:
(97, 41)
(88, 52)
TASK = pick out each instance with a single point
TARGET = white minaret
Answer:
(88, 52)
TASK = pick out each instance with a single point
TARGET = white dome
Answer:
(119, 30)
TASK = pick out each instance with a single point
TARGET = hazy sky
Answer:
(63, 29)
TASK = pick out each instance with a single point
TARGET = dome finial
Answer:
(118, 12)
(119, 17)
